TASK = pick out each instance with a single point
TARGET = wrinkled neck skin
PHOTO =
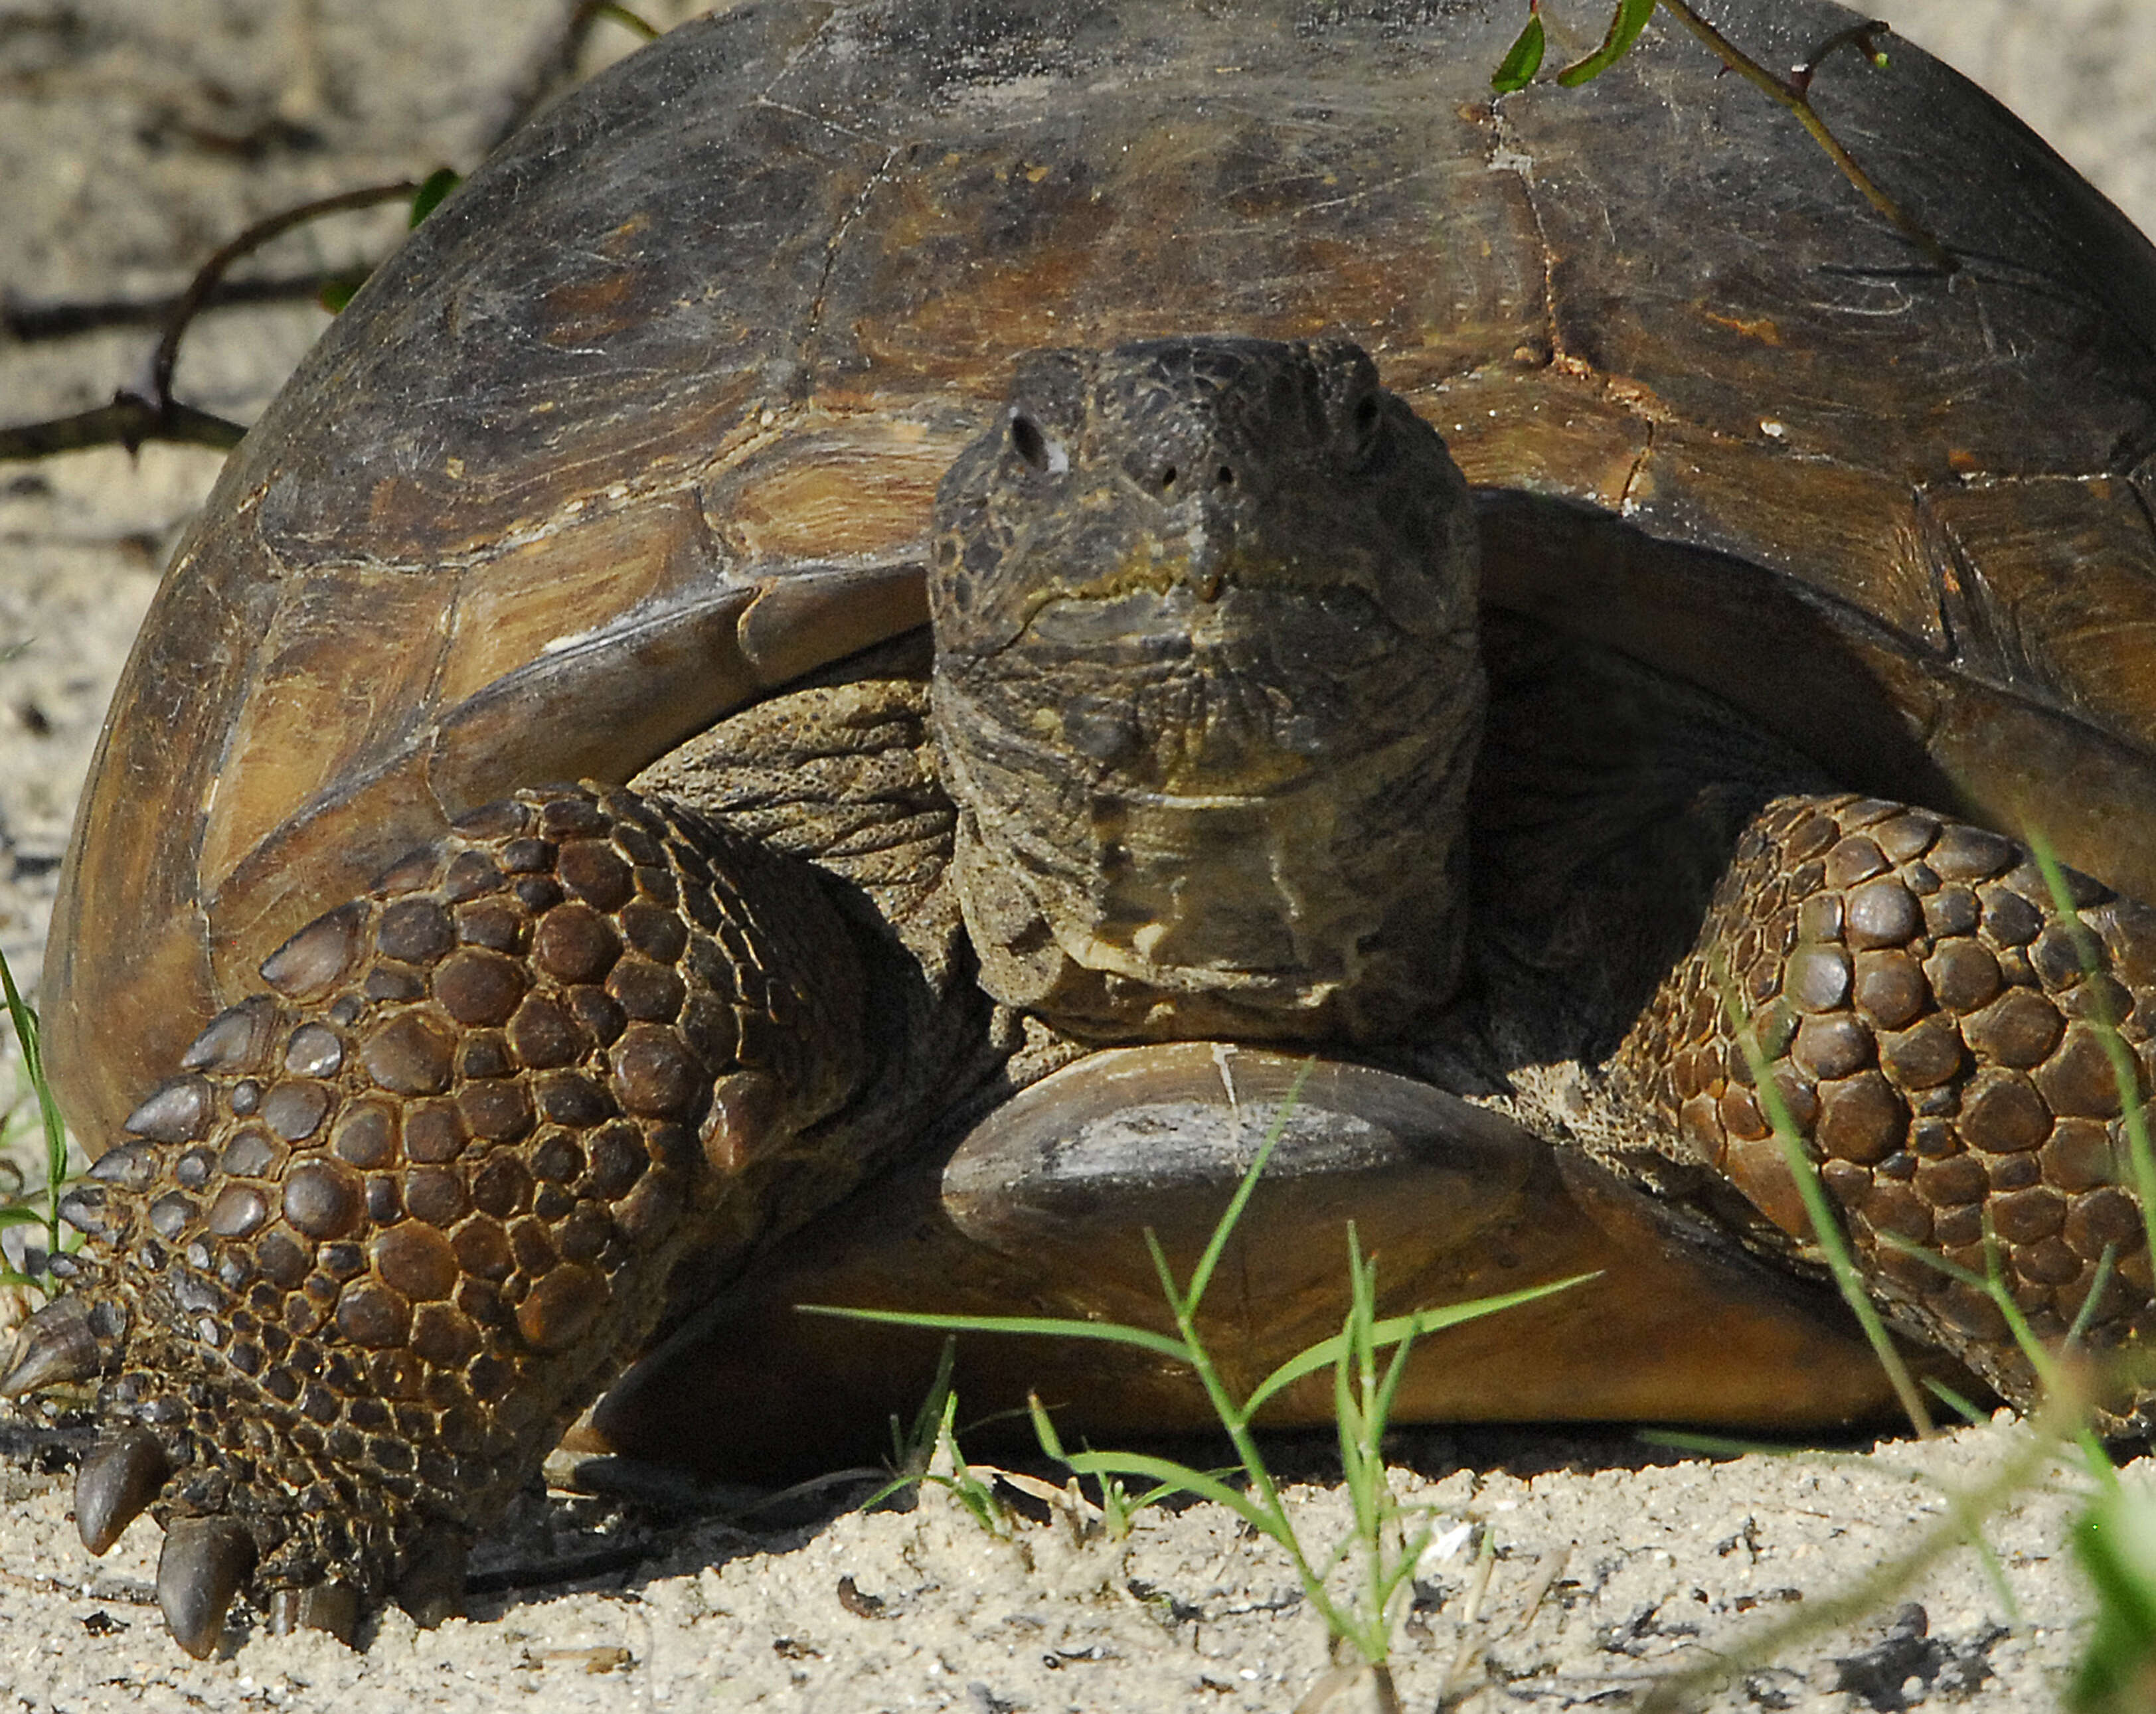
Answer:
(1208, 695)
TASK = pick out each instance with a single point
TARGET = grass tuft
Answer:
(1359, 1584)
(21, 1208)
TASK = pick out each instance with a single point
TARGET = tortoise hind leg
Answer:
(399, 1218)
(1934, 1033)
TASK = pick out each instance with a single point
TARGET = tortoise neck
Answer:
(1324, 902)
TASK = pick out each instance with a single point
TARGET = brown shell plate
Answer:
(645, 420)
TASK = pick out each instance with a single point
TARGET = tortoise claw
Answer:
(121, 1476)
(331, 1607)
(55, 1345)
(433, 1587)
(205, 1561)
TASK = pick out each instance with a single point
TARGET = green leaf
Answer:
(339, 288)
(1522, 59)
(1625, 24)
(428, 196)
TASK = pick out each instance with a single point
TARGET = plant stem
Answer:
(1824, 1227)
(208, 276)
(1794, 94)
(1238, 1425)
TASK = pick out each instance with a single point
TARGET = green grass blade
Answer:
(1180, 1478)
(1042, 1326)
(1718, 1445)
(1959, 1404)
(1179, 1305)
(1389, 1389)
(437, 185)
(25, 1022)
(1112, 1499)
(629, 20)
(1825, 1228)
(2125, 1074)
(1043, 1429)
(2115, 1543)
(1226, 1226)
(2106, 1263)
(1363, 1398)
(910, 1449)
(1395, 1328)
(2041, 1363)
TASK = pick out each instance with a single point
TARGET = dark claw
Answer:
(205, 1561)
(433, 1587)
(120, 1476)
(54, 1346)
(331, 1607)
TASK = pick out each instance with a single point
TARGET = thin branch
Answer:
(151, 413)
(1863, 38)
(205, 282)
(134, 418)
(1794, 94)
(28, 323)
(128, 421)
(557, 68)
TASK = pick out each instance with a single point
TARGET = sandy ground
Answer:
(1567, 1570)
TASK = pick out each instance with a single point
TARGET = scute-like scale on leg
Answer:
(1935, 1032)
(394, 1223)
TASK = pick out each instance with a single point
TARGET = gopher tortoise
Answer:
(962, 488)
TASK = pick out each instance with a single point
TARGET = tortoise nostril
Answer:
(1167, 479)
(1031, 444)
(1224, 477)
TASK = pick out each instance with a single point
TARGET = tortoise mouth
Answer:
(1197, 588)
(1242, 616)
(1160, 693)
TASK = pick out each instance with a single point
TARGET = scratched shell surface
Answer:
(647, 419)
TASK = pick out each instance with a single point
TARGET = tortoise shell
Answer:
(647, 419)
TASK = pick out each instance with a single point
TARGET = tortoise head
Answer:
(1208, 692)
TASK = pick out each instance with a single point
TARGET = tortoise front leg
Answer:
(1934, 1030)
(400, 1218)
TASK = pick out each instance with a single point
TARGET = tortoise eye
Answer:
(1030, 444)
